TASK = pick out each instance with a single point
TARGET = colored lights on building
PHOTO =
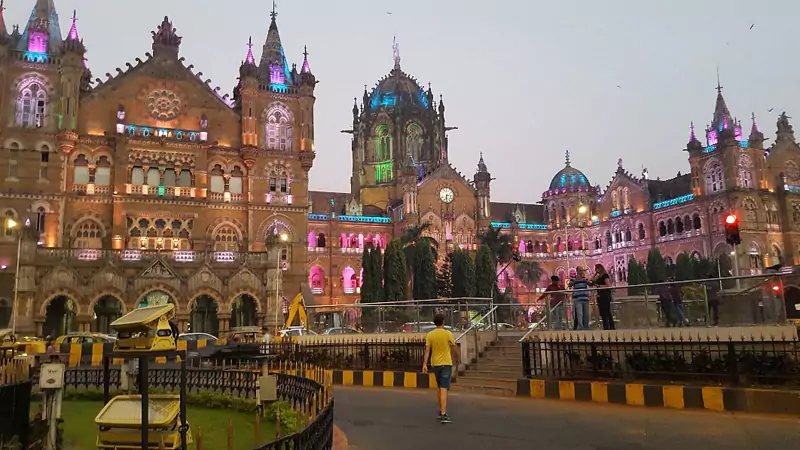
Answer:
(532, 226)
(168, 133)
(317, 217)
(616, 213)
(279, 88)
(383, 172)
(501, 224)
(365, 219)
(423, 99)
(35, 57)
(673, 201)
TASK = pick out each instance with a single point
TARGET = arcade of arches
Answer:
(204, 316)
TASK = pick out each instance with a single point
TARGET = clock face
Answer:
(446, 195)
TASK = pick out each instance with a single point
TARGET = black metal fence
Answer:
(15, 412)
(763, 363)
(356, 354)
(318, 435)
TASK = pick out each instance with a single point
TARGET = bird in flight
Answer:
(770, 110)
(752, 25)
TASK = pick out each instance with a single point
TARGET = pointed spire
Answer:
(3, 30)
(250, 59)
(273, 68)
(722, 116)
(306, 68)
(692, 135)
(42, 34)
(396, 53)
(73, 30)
(754, 129)
(482, 165)
(566, 158)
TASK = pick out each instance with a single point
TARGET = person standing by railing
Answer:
(441, 346)
(580, 295)
(677, 301)
(604, 298)
(557, 303)
(665, 301)
(712, 294)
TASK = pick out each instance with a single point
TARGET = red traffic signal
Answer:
(732, 236)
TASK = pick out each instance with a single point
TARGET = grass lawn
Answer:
(80, 431)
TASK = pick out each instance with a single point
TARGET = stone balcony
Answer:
(131, 257)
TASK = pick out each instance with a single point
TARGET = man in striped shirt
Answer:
(580, 295)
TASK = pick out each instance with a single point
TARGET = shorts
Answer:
(443, 374)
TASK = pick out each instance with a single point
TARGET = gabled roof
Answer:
(660, 190)
(446, 172)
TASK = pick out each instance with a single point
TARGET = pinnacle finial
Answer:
(692, 136)
(250, 59)
(73, 30)
(755, 125)
(274, 12)
(566, 157)
(719, 86)
(396, 53)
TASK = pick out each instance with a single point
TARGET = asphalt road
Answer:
(396, 419)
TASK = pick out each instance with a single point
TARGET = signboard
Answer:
(51, 376)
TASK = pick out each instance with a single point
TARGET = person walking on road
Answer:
(440, 347)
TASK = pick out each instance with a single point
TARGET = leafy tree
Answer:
(425, 273)
(463, 274)
(656, 269)
(368, 294)
(395, 274)
(413, 240)
(507, 311)
(499, 243)
(636, 275)
(683, 267)
(702, 268)
(376, 263)
(485, 274)
(444, 278)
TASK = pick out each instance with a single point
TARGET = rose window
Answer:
(163, 104)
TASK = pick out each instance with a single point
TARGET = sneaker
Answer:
(439, 415)
(446, 419)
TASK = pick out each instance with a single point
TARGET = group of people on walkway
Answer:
(670, 299)
(580, 285)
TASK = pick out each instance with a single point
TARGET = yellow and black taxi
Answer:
(84, 338)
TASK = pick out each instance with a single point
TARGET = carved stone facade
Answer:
(150, 186)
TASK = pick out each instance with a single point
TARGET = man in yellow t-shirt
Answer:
(440, 345)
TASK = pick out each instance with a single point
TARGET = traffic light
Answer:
(732, 230)
(515, 254)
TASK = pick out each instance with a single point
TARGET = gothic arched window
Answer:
(279, 128)
(31, 105)
(383, 144)
(81, 170)
(217, 181)
(745, 172)
(626, 198)
(414, 141)
(235, 182)
(88, 234)
(641, 231)
(226, 239)
(715, 180)
(102, 172)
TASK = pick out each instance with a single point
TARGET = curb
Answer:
(713, 398)
(380, 378)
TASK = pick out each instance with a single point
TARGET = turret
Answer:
(246, 93)
(785, 133)
(756, 139)
(72, 71)
(482, 181)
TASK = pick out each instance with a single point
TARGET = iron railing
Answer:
(755, 362)
(15, 402)
(354, 354)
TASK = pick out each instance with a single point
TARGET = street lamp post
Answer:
(11, 223)
(278, 278)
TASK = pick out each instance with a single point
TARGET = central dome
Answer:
(568, 178)
(398, 88)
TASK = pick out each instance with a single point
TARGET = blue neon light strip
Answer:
(532, 226)
(674, 201)
(501, 225)
(317, 217)
(616, 213)
(365, 219)
(795, 189)
(280, 88)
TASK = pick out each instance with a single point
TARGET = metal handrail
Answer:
(476, 323)
(426, 302)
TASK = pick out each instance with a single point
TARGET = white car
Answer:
(296, 331)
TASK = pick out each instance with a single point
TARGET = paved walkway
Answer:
(389, 419)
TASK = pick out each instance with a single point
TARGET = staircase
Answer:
(496, 371)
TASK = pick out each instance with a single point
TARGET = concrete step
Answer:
(468, 380)
(485, 365)
(499, 361)
(511, 373)
(498, 391)
(504, 351)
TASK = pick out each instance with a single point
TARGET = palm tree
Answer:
(529, 273)
(499, 243)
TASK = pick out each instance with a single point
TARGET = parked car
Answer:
(296, 331)
(210, 338)
(416, 327)
(341, 330)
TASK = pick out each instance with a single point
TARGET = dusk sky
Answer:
(524, 80)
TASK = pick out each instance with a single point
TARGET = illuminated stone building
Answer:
(151, 186)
